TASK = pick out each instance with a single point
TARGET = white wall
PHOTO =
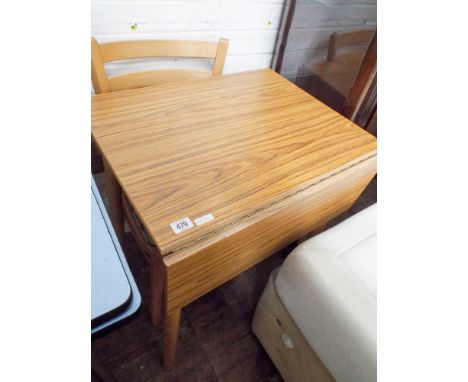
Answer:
(250, 26)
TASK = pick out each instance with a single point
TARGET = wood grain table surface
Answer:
(227, 145)
(268, 161)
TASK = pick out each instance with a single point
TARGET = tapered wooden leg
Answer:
(114, 196)
(171, 332)
(156, 290)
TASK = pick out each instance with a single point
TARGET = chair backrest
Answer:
(124, 50)
(361, 104)
(359, 39)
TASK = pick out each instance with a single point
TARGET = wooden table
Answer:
(269, 162)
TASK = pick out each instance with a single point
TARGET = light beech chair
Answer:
(102, 54)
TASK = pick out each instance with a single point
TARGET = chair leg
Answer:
(171, 332)
(113, 193)
(156, 290)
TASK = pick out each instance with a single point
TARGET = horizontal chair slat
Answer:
(123, 50)
(150, 77)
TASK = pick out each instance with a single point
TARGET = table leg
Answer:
(171, 332)
(114, 196)
(156, 290)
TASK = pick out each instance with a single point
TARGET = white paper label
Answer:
(181, 225)
(203, 219)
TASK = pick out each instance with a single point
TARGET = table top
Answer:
(114, 294)
(219, 149)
